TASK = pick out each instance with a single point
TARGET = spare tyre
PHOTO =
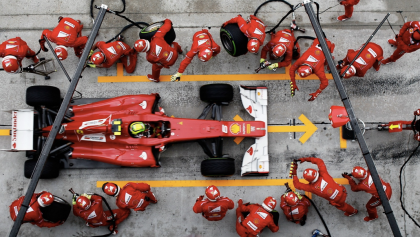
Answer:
(233, 40)
(59, 210)
(216, 93)
(218, 167)
(148, 32)
(51, 168)
(43, 95)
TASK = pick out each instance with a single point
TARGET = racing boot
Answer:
(151, 78)
(392, 42)
(342, 18)
(386, 61)
(368, 218)
(351, 214)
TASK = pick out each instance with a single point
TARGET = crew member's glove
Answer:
(87, 195)
(417, 112)
(340, 64)
(176, 77)
(262, 60)
(74, 199)
(42, 43)
(273, 66)
(199, 198)
(293, 88)
(346, 175)
(90, 53)
(90, 65)
(293, 26)
(314, 95)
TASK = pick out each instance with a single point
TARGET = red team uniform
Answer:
(296, 213)
(67, 33)
(213, 210)
(161, 54)
(18, 48)
(285, 37)
(33, 214)
(371, 56)
(96, 216)
(404, 41)
(136, 196)
(118, 50)
(201, 41)
(326, 187)
(348, 6)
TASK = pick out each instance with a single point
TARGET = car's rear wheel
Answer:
(59, 210)
(148, 32)
(43, 95)
(216, 93)
(233, 40)
(51, 169)
(218, 167)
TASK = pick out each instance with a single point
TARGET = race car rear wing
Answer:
(22, 132)
(256, 162)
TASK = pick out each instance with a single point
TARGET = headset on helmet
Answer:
(83, 202)
(279, 50)
(311, 175)
(291, 199)
(351, 72)
(359, 172)
(137, 127)
(10, 64)
(142, 45)
(45, 199)
(416, 35)
(61, 52)
(205, 55)
(111, 189)
(97, 58)
(212, 192)
(304, 70)
(253, 46)
(269, 204)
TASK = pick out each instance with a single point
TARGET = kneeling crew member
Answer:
(136, 196)
(13, 51)
(214, 207)
(294, 206)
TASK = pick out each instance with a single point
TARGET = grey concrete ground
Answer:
(390, 94)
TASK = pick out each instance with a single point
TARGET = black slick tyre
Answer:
(218, 167)
(43, 95)
(216, 93)
(233, 40)
(59, 210)
(148, 32)
(51, 169)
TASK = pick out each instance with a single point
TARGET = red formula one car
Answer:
(96, 133)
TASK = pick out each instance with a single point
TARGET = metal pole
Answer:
(57, 124)
(364, 46)
(57, 59)
(353, 120)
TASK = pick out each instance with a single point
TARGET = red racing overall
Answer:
(371, 56)
(348, 6)
(254, 28)
(118, 50)
(255, 222)
(404, 41)
(285, 37)
(136, 196)
(295, 213)
(18, 48)
(213, 211)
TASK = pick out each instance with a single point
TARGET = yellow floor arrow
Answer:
(4, 132)
(308, 128)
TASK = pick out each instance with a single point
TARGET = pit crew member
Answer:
(13, 51)
(214, 207)
(294, 206)
(348, 7)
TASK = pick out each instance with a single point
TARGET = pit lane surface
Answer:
(390, 94)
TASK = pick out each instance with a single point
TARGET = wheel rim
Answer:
(152, 27)
(227, 43)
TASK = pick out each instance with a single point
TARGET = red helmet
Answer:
(142, 45)
(304, 71)
(279, 50)
(359, 172)
(212, 192)
(61, 52)
(253, 46)
(45, 199)
(291, 199)
(310, 175)
(97, 58)
(111, 189)
(205, 55)
(351, 72)
(416, 35)
(269, 204)
(10, 64)
(83, 202)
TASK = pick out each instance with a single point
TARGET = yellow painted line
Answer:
(308, 128)
(343, 142)
(4, 132)
(216, 77)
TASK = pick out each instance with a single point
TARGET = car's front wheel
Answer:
(218, 167)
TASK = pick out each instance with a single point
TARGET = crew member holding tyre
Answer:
(253, 28)
(158, 52)
(366, 184)
(370, 57)
(323, 185)
(68, 33)
(109, 53)
(89, 208)
(34, 214)
(281, 44)
(203, 45)
(214, 207)
(136, 196)
(259, 217)
(13, 51)
(312, 61)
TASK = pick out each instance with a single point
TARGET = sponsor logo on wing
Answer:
(97, 122)
(9, 46)
(323, 185)
(334, 194)
(158, 50)
(143, 155)
(371, 51)
(95, 137)
(361, 61)
(170, 56)
(258, 32)
(217, 209)
(69, 24)
(112, 50)
(92, 215)
(200, 42)
(250, 224)
(127, 198)
(62, 34)
(370, 181)
(262, 214)
(140, 203)
(122, 45)
(295, 211)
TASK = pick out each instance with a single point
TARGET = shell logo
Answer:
(235, 128)
(259, 93)
(260, 166)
